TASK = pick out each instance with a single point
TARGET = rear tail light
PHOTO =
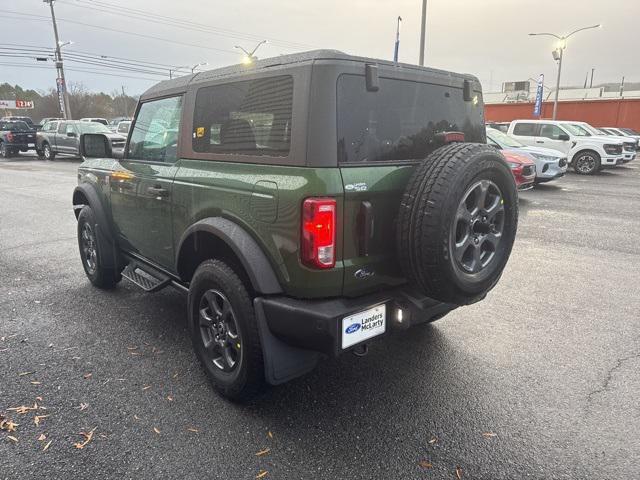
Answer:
(10, 137)
(450, 137)
(318, 242)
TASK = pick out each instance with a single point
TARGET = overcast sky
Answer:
(487, 38)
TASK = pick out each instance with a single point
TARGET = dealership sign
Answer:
(16, 104)
(537, 109)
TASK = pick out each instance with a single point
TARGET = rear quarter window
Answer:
(525, 129)
(250, 117)
(400, 121)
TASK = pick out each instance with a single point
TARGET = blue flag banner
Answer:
(537, 109)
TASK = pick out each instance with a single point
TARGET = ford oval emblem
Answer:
(353, 328)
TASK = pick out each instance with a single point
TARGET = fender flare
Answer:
(107, 245)
(260, 271)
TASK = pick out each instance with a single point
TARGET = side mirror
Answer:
(564, 137)
(72, 134)
(95, 145)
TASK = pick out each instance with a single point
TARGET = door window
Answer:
(551, 131)
(62, 128)
(525, 129)
(249, 118)
(156, 131)
(70, 128)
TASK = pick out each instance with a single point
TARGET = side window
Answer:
(550, 131)
(70, 128)
(525, 129)
(250, 118)
(62, 128)
(156, 131)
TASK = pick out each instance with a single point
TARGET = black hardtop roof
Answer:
(238, 70)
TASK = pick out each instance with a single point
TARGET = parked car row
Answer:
(585, 148)
(63, 136)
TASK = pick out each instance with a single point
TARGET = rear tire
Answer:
(587, 162)
(97, 273)
(224, 331)
(457, 223)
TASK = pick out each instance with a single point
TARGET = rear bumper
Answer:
(316, 324)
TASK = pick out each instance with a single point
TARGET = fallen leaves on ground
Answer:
(156, 430)
(35, 383)
(433, 440)
(25, 373)
(47, 446)
(425, 464)
(489, 434)
(38, 418)
(269, 434)
(88, 376)
(459, 473)
(22, 409)
(82, 406)
(136, 417)
(262, 473)
(263, 452)
(170, 398)
(146, 387)
(87, 438)
(7, 425)
(191, 429)
(12, 438)
(42, 437)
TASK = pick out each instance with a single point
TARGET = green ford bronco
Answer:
(307, 204)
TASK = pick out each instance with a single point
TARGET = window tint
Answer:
(156, 131)
(400, 121)
(525, 129)
(250, 118)
(550, 131)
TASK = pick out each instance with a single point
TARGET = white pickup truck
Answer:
(586, 153)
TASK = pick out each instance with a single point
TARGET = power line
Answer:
(96, 72)
(39, 18)
(177, 22)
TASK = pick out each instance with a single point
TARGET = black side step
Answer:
(148, 279)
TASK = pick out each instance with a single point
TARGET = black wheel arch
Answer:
(86, 194)
(218, 237)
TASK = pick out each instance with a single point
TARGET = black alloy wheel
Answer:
(218, 331)
(477, 229)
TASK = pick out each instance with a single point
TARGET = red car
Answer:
(523, 169)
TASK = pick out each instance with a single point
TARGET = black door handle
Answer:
(158, 191)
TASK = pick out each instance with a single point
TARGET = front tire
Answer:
(47, 153)
(97, 273)
(587, 163)
(224, 331)
(5, 152)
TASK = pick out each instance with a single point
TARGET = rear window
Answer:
(400, 121)
(250, 117)
(15, 126)
(525, 129)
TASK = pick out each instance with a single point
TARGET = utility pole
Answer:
(622, 87)
(397, 45)
(61, 83)
(555, 101)
(423, 31)
(591, 82)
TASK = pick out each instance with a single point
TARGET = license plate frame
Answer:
(363, 325)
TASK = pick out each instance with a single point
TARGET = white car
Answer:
(103, 121)
(587, 153)
(629, 145)
(622, 132)
(550, 164)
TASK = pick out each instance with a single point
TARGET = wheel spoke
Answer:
(462, 247)
(205, 318)
(493, 238)
(497, 206)
(477, 262)
(212, 300)
(227, 354)
(481, 199)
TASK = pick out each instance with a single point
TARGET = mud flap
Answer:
(282, 362)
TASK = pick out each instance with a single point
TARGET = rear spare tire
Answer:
(457, 222)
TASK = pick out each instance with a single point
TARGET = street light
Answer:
(249, 57)
(64, 44)
(198, 65)
(557, 56)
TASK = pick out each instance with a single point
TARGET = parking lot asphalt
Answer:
(539, 381)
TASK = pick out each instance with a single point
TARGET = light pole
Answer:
(60, 82)
(173, 70)
(423, 31)
(558, 54)
(250, 56)
(397, 47)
